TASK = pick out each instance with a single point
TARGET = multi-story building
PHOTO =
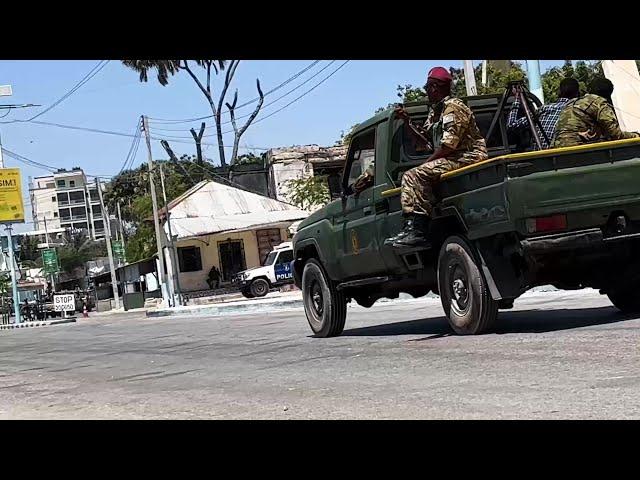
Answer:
(66, 200)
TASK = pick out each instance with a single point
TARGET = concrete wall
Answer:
(209, 254)
(626, 92)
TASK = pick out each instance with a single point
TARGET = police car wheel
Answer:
(464, 294)
(324, 306)
(259, 287)
(246, 293)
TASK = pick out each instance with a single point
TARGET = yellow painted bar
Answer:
(523, 155)
(546, 153)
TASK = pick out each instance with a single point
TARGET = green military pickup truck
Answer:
(568, 217)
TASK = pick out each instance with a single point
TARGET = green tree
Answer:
(29, 249)
(308, 193)
(200, 72)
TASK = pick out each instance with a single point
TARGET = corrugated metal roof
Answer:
(211, 207)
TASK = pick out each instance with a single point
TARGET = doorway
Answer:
(232, 261)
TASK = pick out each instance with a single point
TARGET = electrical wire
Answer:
(226, 122)
(187, 120)
(92, 73)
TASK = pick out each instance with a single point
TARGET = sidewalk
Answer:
(41, 323)
(271, 302)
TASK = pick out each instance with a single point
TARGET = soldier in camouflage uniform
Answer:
(452, 132)
(590, 119)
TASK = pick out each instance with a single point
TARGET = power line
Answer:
(187, 120)
(301, 96)
(93, 72)
(123, 134)
(128, 161)
(265, 106)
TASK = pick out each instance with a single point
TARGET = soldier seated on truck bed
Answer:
(590, 119)
(453, 133)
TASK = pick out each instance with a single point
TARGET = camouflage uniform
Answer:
(588, 119)
(456, 128)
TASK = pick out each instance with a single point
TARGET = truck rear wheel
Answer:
(466, 300)
(259, 287)
(325, 307)
(627, 301)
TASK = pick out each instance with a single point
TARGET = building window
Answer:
(50, 185)
(55, 214)
(54, 199)
(72, 183)
(61, 183)
(189, 259)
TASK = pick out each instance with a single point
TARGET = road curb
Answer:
(43, 323)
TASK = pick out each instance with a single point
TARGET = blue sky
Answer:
(114, 100)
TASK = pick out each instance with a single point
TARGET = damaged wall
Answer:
(292, 163)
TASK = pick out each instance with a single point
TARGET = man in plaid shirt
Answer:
(548, 114)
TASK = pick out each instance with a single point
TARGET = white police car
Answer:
(256, 282)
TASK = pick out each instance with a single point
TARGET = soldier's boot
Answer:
(413, 233)
(407, 226)
(416, 234)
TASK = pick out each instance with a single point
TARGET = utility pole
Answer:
(469, 78)
(14, 278)
(535, 81)
(175, 276)
(46, 236)
(107, 227)
(156, 220)
(120, 223)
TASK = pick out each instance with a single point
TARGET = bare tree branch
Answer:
(227, 81)
(198, 138)
(240, 132)
(200, 86)
(209, 76)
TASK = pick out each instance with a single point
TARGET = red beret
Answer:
(440, 73)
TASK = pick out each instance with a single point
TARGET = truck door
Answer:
(355, 226)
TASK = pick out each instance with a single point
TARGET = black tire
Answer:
(627, 301)
(466, 300)
(259, 287)
(246, 293)
(325, 307)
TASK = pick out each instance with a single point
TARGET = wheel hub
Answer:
(316, 298)
(459, 290)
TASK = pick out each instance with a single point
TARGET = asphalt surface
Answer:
(555, 356)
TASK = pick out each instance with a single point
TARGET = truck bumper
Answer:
(563, 241)
(573, 241)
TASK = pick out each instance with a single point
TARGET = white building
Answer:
(66, 200)
(222, 226)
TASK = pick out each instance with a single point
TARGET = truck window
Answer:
(286, 256)
(270, 258)
(361, 156)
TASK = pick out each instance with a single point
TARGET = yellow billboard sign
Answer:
(11, 206)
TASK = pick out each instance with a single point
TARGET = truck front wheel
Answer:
(325, 307)
(466, 300)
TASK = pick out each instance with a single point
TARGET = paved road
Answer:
(557, 355)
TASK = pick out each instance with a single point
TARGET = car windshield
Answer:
(270, 258)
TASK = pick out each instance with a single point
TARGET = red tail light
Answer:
(547, 224)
